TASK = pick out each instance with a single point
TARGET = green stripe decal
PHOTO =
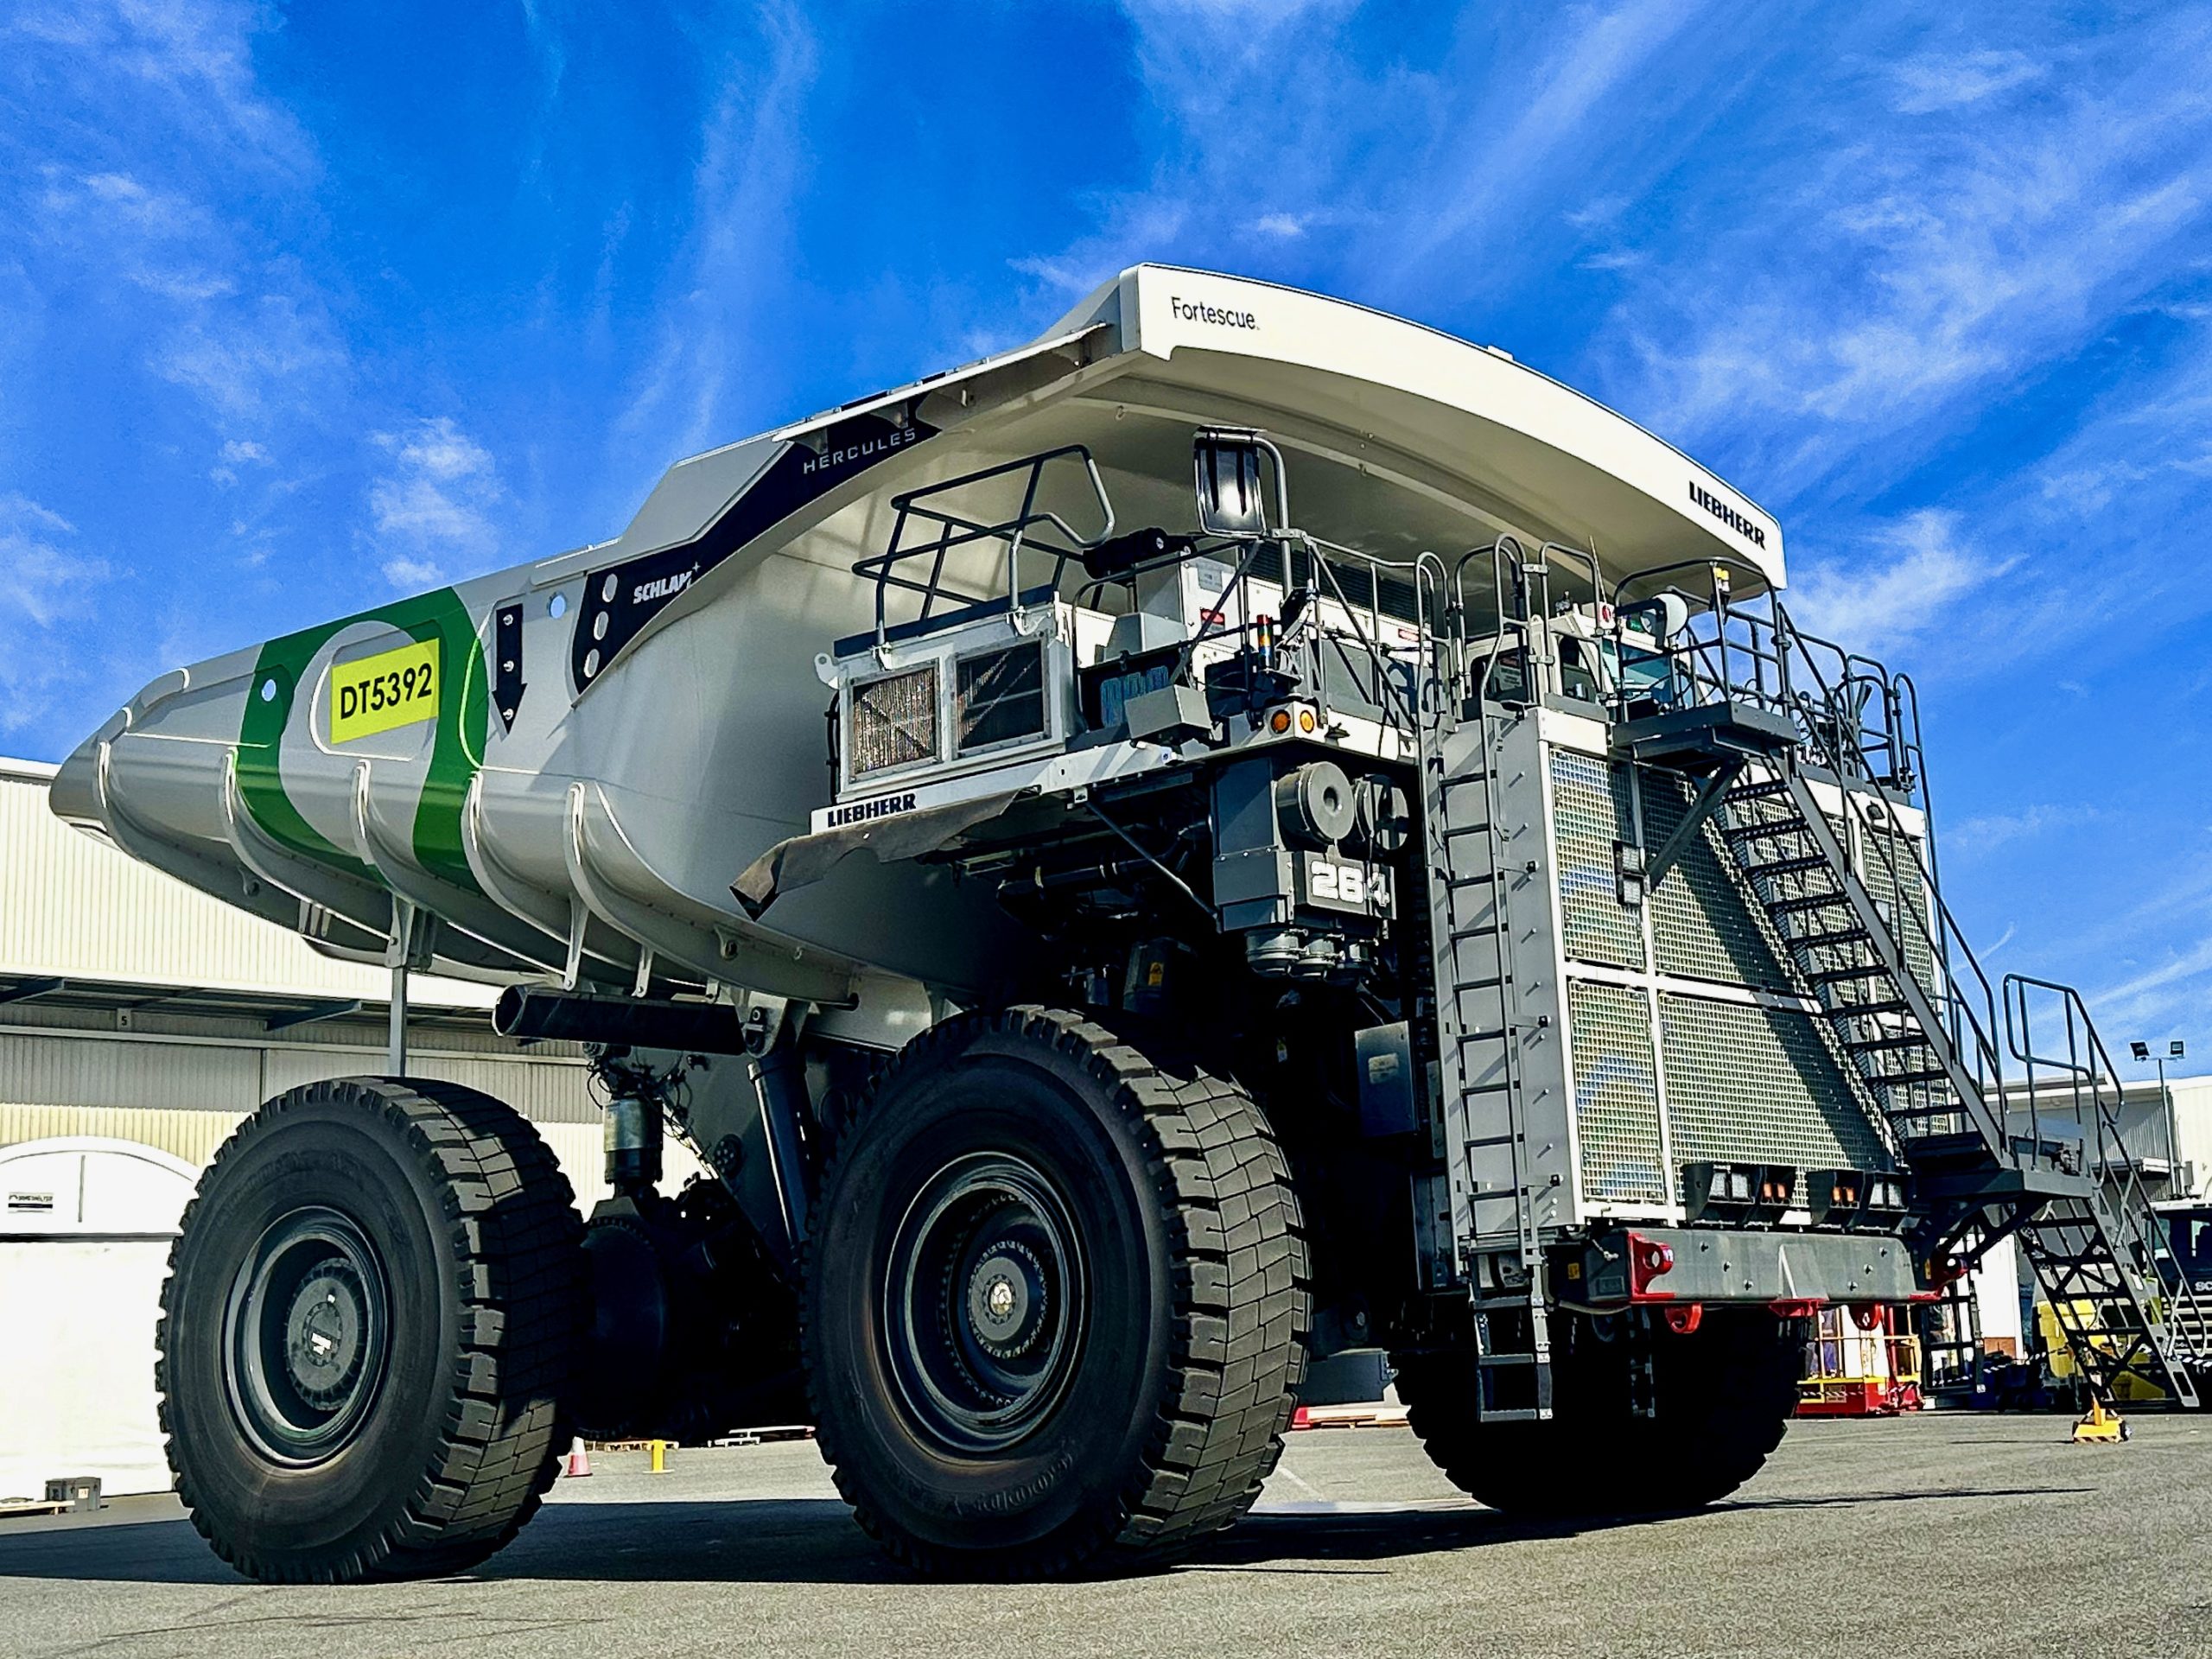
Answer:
(456, 750)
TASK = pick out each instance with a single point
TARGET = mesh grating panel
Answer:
(1702, 921)
(1589, 811)
(1758, 1084)
(1903, 895)
(1616, 1093)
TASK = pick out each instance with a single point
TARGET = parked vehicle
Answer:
(1324, 838)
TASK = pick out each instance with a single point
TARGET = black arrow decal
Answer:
(507, 686)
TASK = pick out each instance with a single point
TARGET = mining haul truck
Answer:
(1243, 830)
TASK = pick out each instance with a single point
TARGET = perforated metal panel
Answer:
(1616, 1093)
(1589, 812)
(1702, 924)
(1758, 1084)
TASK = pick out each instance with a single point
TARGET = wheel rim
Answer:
(984, 1302)
(306, 1336)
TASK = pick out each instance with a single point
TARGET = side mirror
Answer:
(1226, 464)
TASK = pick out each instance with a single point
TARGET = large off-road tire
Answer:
(1723, 1396)
(367, 1325)
(1056, 1300)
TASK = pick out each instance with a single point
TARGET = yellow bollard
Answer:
(660, 1456)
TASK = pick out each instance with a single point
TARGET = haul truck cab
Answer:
(1243, 830)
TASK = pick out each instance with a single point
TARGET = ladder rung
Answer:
(1459, 881)
(1476, 985)
(1519, 1415)
(1504, 1359)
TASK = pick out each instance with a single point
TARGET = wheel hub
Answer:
(984, 1302)
(323, 1333)
(306, 1336)
(1009, 1301)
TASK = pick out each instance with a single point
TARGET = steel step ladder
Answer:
(2087, 1229)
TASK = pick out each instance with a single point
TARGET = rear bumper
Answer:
(1661, 1265)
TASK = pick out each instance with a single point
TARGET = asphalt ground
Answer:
(1937, 1533)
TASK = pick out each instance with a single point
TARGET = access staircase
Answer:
(1853, 901)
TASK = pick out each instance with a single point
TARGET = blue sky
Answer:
(302, 307)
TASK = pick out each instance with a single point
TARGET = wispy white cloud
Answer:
(1928, 269)
(435, 511)
(1903, 583)
(46, 585)
(752, 160)
(1935, 82)
(1987, 833)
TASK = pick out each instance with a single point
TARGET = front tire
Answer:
(1056, 1300)
(366, 1332)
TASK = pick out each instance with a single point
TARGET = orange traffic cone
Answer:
(579, 1459)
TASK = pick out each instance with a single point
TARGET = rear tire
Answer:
(1723, 1397)
(366, 1328)
(1056, 1300)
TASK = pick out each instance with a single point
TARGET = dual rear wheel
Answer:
(1644, 1420)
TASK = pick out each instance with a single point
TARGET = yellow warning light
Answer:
(1279, 722)
(1306, 719)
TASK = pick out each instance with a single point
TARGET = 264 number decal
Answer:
(379, 693)
(1343, 884)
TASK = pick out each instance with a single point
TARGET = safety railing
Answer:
(928, 526)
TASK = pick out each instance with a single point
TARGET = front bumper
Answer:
(1656, 1265)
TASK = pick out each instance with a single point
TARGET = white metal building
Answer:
(139, 1022)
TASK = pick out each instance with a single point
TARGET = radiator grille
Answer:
(1616, 1093)
(894, 721)
(1758, 1084)
(999, 696)
(1590, 813)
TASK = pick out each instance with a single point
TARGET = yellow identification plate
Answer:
(375, 694)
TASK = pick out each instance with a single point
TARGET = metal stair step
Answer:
(1894, 1041)
(1866, 1010)
(1804, 901)
(1896, 1078)
(1765, 789)
(1787, 866)
(1763, 828)
(1821, 941)
(1819, 977)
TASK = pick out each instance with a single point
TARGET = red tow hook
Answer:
(1647, 1258)
(1684, 1318)
(1795, 1307)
